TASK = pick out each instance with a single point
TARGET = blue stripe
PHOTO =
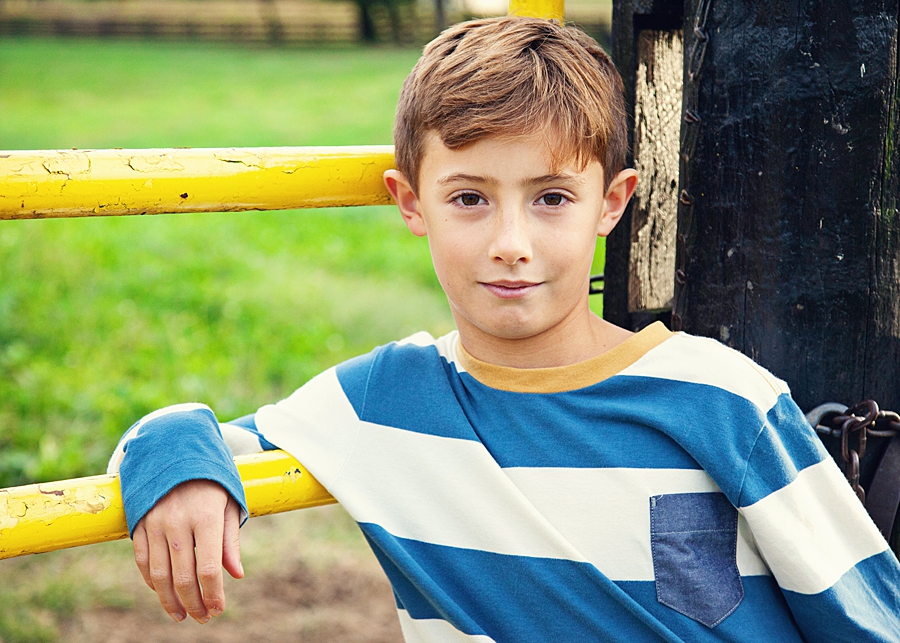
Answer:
(604, 425)
(410, 392)
(623, 422)
(786, 445)
(194, 437)
(763, 614)
(510, 598)
(863, 606)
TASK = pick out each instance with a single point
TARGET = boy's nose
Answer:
(511, 244)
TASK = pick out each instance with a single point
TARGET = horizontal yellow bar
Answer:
(79, 183)
(547, 9)
(56, 515)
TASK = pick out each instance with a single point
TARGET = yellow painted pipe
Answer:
(56, 515)
(80, 183)
(546, 9)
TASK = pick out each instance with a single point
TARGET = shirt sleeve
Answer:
(176, 444)
(837, 573)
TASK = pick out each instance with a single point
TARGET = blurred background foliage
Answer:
(269, 22)
(103, 320)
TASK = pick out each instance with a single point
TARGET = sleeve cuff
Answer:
(171, 449)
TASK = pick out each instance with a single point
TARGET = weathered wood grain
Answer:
(792, 252)
(657, 128)
(630, 18)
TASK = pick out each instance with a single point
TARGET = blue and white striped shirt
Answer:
(667, 490)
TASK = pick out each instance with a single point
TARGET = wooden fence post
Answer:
(640, 254)
(788, 245)
(788, 231)
(788, 219)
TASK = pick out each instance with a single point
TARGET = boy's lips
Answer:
(510, 289)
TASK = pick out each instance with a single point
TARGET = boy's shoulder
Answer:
(707, 362)
(655, 353)
(405, 356)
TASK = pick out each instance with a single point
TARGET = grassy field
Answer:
(103, 320)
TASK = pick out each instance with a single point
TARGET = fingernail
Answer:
(215, 611)
(203, 620)
(241, 567)
(178, 617)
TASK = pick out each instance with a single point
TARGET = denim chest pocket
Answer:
(693, 539)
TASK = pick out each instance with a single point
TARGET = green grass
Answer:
(103, 320)
(62, 94)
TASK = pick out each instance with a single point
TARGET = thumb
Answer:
(231, 544)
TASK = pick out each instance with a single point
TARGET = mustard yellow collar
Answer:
(566, 378)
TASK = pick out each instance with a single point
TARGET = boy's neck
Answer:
(570, 342)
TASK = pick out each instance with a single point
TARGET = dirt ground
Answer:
(350, 603)
(310, 577)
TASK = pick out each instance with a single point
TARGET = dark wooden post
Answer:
(788, 245)
(788, 223)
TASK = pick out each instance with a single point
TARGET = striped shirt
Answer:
(667, 490)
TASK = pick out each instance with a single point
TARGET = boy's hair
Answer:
(511, 76)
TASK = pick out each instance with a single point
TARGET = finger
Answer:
(161, 574)
(231, 556)
(208, 536)
(142, 552)
(184, 575)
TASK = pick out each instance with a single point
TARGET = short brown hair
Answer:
(510, 76)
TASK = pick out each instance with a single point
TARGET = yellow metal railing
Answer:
(79, 183)
(547, 9)
(56, 515)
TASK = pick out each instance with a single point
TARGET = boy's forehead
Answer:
(532, 153)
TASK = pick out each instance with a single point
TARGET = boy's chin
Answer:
(510, 331)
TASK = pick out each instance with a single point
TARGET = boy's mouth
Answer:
(509, 289)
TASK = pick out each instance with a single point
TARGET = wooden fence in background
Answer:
(277, 22)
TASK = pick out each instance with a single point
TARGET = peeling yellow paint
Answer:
(8, 520)
(67, 183)
(56, 515)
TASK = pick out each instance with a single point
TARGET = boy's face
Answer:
(512, 238)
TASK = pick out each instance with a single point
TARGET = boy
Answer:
(538, 474)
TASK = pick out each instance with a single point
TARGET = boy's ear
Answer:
(617, 197)
(406, 200)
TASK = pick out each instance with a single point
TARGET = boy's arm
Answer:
(837, 573)
(182, 492)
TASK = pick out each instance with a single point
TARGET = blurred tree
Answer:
(394, 8)
(274, 28)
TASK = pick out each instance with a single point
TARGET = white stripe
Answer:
(417, 486)
(687, 358)
(814, 530)
(444, 491)
(115, 461)
(239, 440)
(448, 347)
(422, 338)
(605, 513)
(316, 424)
(434, 630)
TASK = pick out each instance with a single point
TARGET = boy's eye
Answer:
(552, 198)
(469, 199)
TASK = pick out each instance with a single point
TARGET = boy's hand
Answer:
(196, 514)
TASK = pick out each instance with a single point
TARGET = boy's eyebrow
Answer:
(559, 177)
(466, 178)
(565, 177)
